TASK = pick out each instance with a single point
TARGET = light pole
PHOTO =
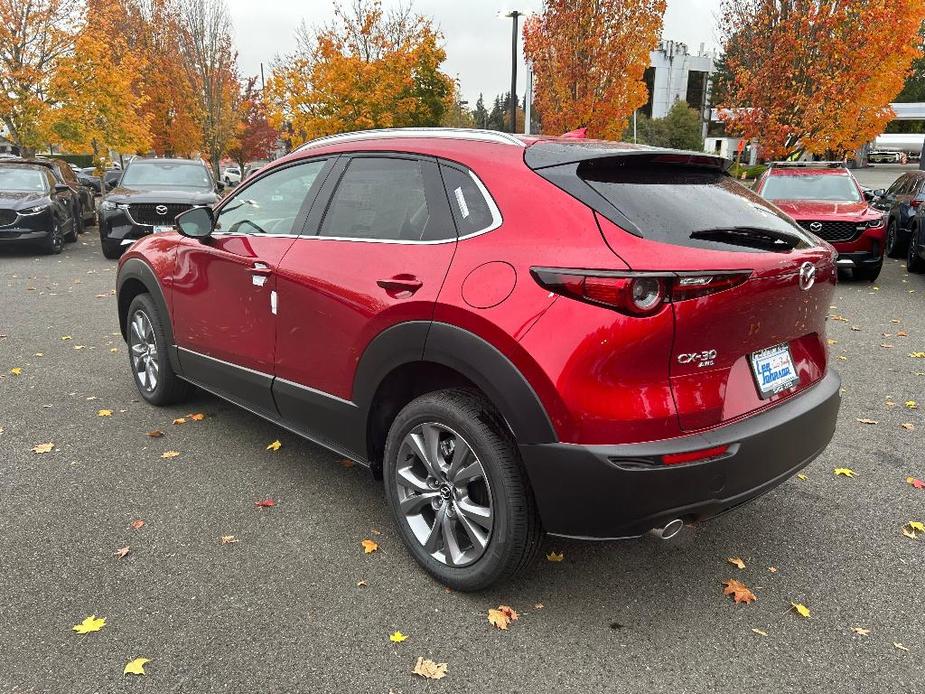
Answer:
(513, 14)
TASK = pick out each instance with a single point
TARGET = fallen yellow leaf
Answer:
(845, 472)
(760, 632)
(772, 569)
(43, 448)
(66, 338)
(553, 556)
(908, 426)
(16, 371)
(917, 355)
(801, 609)
(502, 616)
(801, 476)
(136, 667)
(114, 349)
(275, 446)
(90, 624)
(229, 539)
(170, 454)
(868, 421)
(898, 645)
(179, 420)
(104, 413)
(861, 631)
(397, 637)
(736, 561)
(369, 546)
(121, 552)
(198, 417)
(912, 404)
(429, 669)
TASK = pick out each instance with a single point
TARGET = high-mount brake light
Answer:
(635, 294)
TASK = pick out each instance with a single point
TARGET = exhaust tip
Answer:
(669, 530)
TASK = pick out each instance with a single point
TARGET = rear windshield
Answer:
(689, 206)
(828, 187)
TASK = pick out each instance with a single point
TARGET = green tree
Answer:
(480, 113)
(679, 129)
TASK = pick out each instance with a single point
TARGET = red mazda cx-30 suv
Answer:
(826, 199)
(520, 335)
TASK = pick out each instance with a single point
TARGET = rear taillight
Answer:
(916, 202)
(634, 293)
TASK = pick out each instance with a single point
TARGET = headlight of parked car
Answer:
(874, 223)
(109, 206)
(29, 211)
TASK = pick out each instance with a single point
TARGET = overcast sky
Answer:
(478, 43)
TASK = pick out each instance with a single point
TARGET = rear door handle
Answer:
(400, 284)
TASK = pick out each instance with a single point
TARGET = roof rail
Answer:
(809, 164)
(445, 133)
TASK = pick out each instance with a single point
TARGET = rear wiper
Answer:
(754, 237)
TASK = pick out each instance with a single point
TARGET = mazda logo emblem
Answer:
(807, 276)
(815, 226)
(161, 209)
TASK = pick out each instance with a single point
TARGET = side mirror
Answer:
(197, 223)
(219, 186)
(879, 192)
(62, 188)
(112, 183)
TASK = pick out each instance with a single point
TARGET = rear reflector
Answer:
(694, 456)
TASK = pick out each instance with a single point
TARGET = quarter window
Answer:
(380, 198)
(470, 208)
(270, 205)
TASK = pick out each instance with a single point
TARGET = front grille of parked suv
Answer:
(834, 231)
(156, 213)
(7, 217)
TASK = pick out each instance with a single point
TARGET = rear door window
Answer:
(387, 199)
(688, 206)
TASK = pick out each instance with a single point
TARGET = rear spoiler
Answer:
(547, 153)
(807, 165)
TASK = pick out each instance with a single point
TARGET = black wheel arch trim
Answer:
(468, 354)
(137, 269)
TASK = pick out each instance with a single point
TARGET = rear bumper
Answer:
(604, 492)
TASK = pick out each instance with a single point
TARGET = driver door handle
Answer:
(261, 269)
(400, 284)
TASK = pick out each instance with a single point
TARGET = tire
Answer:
(147, 355)
(454, 418)
(54, 243)
(914, 262)
(869, 273)
(893, 246)
(111, 250)
(77, 228)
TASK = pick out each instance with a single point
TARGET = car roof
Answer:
(808, 171)
(8, 164)
(167, 160)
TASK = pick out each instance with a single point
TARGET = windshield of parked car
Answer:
(166, 174)
(828, 187)
(22, 181)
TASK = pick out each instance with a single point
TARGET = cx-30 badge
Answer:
(161, 209)
(807, 276)
(705, 358)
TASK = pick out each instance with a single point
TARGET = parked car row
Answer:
(42, 202)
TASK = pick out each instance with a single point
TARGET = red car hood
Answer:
(820, 209)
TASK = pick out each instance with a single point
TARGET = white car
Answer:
(232, 175)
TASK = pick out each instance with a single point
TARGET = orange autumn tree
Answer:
(96, 105)
(588, 58)
(35, 35)
(815, 76)
(367, 70)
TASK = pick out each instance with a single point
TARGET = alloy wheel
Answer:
(57, 239)
(891, 239)
(143, 348)
(444, 494)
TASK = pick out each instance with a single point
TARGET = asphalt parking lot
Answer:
(280, 610)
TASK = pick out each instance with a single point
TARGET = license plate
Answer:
(773, 369)
(163, 228)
